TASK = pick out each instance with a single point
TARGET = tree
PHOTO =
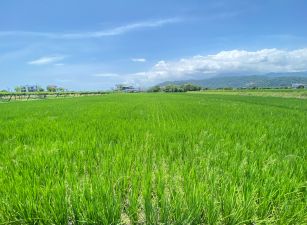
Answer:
(51, 88)
(300, 86)
(60, 89)
(156, 88)
(40, 89)
(172, 88)
(18, 89)
(190, 87)
(181, 88)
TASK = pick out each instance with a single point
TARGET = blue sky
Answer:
(95, 44)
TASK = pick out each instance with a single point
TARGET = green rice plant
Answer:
(154, 158)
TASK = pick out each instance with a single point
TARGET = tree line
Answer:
(37, 88)
(175, 88)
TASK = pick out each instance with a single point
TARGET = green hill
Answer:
(265, 81)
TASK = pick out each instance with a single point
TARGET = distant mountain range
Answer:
(265, 81)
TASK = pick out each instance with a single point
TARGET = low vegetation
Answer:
(154, 158)
(175, 88)
(284, 93)
(20, 96)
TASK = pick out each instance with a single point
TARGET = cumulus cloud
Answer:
(233, 62)
(94, 34)
(47, 60)
(138, 60)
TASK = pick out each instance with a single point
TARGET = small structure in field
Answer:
(299, 86)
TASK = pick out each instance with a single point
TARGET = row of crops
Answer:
(154, 159)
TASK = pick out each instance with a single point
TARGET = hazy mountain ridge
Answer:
(267, 80)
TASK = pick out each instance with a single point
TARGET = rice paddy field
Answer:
(284, 93)
(154, 159)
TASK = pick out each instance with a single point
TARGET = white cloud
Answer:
(94, 34)
(138, 60)
(233, 62)
(134, 26)
(47, 60)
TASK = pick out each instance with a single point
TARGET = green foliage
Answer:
(301, 87)
(285, 93)
(187, 158)
(175, 88)
(17, 89)
(190, 87)
(60, 89)
(40, 89)
(51, 88)
(172, 88)
(154, 89)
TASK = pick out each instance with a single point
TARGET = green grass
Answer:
(285, 93)
(154, 158)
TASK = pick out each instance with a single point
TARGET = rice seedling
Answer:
(154, 159)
